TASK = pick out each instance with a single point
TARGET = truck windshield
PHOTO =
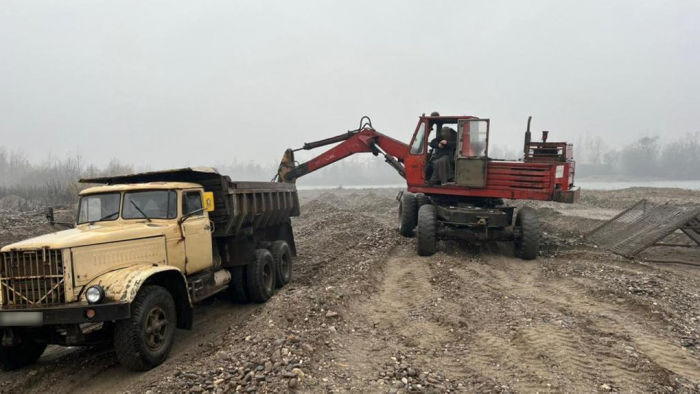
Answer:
(98, 207)
(155, 204)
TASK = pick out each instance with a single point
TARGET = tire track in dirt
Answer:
(667, 356)
(406, 289)
(397, 313)
(491, 347)
(493, 354)
(631, 322)
(576, 350)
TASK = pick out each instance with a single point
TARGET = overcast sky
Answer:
(173, 83)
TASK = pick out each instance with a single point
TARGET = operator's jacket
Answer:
(447, 150)
(443, 160)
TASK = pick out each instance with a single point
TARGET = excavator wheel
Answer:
(427, 230)
(408, 214)
(527, 234)
(422, 199)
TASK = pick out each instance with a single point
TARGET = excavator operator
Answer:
(443, 156)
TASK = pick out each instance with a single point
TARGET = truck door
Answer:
(197, 231)
(471, 155)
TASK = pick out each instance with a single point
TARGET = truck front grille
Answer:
(32, 277)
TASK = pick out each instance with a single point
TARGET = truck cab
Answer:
(175, 210)
(142, 253)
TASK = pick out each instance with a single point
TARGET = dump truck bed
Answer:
(238, 205)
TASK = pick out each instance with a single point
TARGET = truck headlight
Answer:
(95, 294)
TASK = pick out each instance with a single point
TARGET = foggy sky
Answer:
(168, 84)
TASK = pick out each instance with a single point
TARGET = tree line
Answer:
(647, 157)
(54, 180)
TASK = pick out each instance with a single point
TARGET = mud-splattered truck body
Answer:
(144, 250)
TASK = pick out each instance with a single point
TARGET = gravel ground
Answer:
(365, 314)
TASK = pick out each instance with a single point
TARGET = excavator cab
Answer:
(471, 151)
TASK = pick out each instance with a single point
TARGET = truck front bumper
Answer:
(74, 313)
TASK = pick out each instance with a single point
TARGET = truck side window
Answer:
(191, 201)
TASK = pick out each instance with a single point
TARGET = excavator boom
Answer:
(365, 139)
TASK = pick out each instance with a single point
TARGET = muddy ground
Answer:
(365, 314)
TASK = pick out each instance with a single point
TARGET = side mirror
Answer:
(52, 220)
(49, 216)
(208, 202)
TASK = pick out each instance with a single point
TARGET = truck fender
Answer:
(122, 285)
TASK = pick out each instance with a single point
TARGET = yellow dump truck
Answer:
(144, 250)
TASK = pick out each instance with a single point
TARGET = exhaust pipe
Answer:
(528, 137)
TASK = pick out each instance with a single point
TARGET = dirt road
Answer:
(365, 314)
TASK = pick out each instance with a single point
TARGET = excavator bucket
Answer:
(287, 164)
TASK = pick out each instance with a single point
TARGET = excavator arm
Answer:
(364, 139)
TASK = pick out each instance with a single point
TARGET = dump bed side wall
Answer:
(250, 205)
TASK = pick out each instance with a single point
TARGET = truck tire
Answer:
(421, 199)
(408, 214)
(283, 262)
(260, 276)
(144, 340)
(22, 355)
(527, 237)
(237, 287)
(427, 230)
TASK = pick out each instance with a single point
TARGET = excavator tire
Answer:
(527, 237)
(422, 199)
(408, 214)
(427, 230)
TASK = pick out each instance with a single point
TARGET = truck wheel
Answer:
(283, 262)
(237, 288)
(527, 234)
(427, 230)
(260, 276)
(421, 199)
(16, 357)
(144, 340)
(408, 214)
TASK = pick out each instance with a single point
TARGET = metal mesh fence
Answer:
(641, 226)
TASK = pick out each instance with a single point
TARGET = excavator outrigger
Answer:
(471, 206)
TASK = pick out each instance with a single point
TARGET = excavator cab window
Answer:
(471, 158)
(418, 146)
(473, 138)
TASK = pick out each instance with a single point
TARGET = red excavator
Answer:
(470, 205)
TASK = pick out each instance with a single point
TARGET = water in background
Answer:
(587, 185)
(608, 185)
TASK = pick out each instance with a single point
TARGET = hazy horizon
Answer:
(167, 84)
